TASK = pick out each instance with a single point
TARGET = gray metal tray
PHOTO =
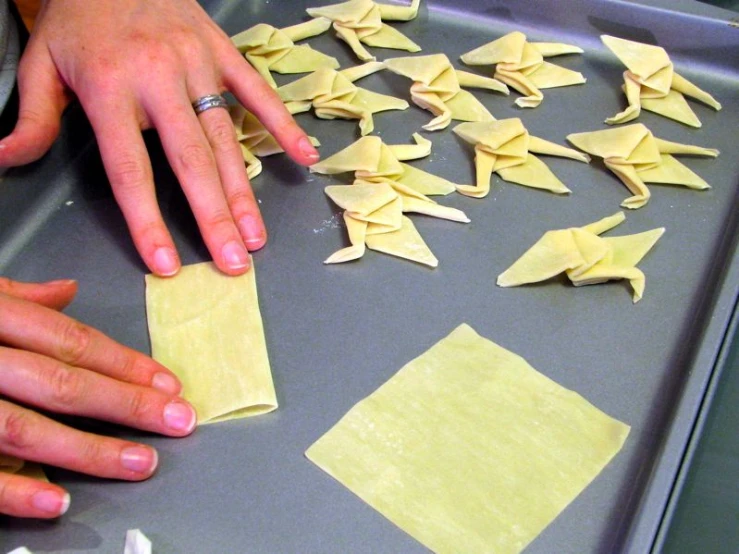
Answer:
(336, 333)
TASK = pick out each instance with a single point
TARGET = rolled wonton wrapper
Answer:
(505, 147)
(206, 327)
(520, 64)
(586, 257)
(638, 157)
(650, 82)
(360, 22)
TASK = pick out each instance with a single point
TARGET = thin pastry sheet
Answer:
(206, 327)
(468, 448)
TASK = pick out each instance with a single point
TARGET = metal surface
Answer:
(336, 333)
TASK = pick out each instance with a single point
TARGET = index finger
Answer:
(259, 98)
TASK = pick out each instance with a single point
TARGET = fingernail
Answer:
(140, 459)
(235, 255)
(165, 261)
(178, 416)
(253, 231)
(166, 383)
(60, 282)
(51, 502)
(308, 149)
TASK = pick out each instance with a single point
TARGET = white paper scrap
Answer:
(137, 543)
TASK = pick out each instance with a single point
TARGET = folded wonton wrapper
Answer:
(332, 94)
(586, 257)
(360, 21)
(650, 82)
(437, 88)
(383, 190)
(505, 147)
(255, 141)
(207, 328)
(520, 64)
(270, 49)
(638, 157)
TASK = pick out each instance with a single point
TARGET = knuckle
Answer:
(139, 408)
(222, 135)
(196, 158)
(128, 174)
(16, 430)
(91, 453)
(241, 200)
(220, 219)
(66, 386)
(74, 341)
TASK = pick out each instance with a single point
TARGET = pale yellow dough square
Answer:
(468, 448)
(206, 327)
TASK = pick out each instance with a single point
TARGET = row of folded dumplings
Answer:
(385, 188)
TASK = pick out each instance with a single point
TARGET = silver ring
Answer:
(205, 103)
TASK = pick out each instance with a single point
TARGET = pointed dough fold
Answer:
(520, 64)
(437, 88)
(361, 21)
(637, 157)
(505, 147)
(585, 256)
(270, 49)
(384, 189)
(332, 94)
(650, 82)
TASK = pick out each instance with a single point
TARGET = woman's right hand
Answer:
(50, 362)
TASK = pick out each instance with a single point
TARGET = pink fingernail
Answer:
(307, 149)
(235, 255)
(60, 282)
(166, 383)
(165, 261)
(51, 502)
(140, 459)
(179, 417)
(253, 231)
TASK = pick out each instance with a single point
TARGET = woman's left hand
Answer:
(138, 64)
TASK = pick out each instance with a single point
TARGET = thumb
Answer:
(43, 99)
(54, 294)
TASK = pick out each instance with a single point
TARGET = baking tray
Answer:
(336, 333)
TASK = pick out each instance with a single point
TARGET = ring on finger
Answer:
(205, 103)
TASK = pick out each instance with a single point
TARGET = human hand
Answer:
(138, 64)
(51, 362)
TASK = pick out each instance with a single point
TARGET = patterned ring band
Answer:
(205, 103)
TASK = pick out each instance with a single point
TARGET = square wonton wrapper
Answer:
(468, 448)
(206, 327)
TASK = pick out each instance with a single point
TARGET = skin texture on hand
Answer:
(52, 362)
(139, 64)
